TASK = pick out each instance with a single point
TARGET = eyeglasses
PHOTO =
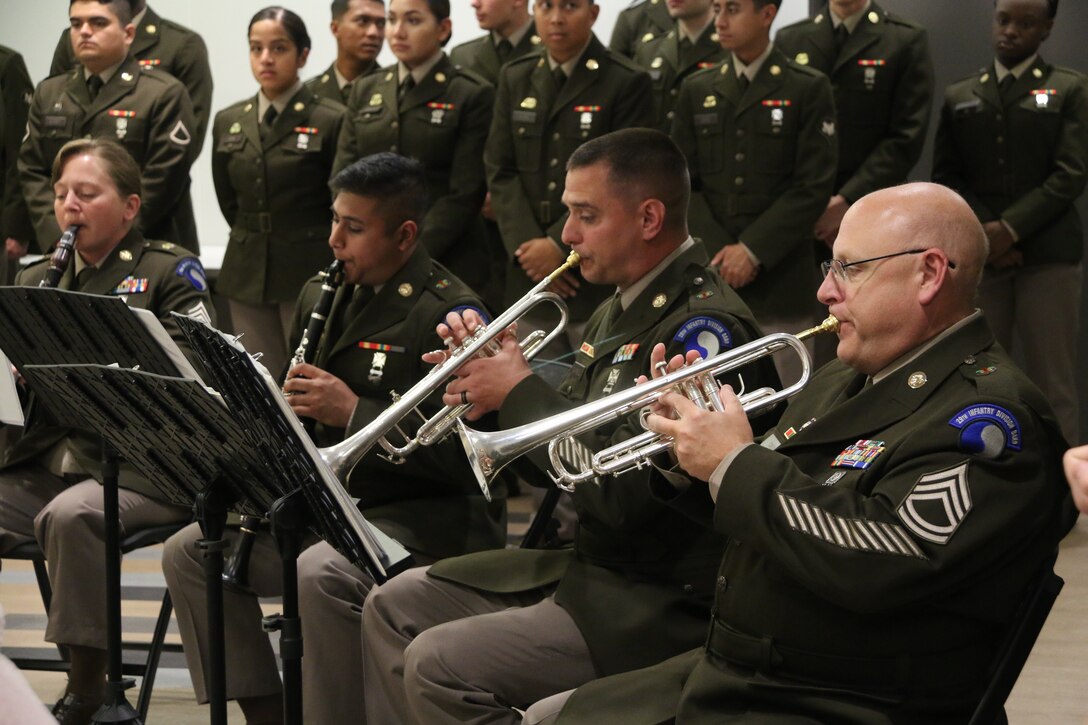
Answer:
(839, 267)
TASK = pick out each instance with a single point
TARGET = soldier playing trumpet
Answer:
(546, 620)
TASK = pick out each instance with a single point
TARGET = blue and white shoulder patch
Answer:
(987, 430)
(464, 308)
(191, 269)
(705, 335)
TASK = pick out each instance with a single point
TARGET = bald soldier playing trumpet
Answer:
(883, 534)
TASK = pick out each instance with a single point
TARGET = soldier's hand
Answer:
(456, 329)
(660, 367)
(1076, 473)
(1001, 239)
(565, 285)
(320, 395)
(15, 249)
(487, 212)
(1012, 258)
(539, 257)
(827, 226)
(702, 438)
(735, 266)
(484, 382)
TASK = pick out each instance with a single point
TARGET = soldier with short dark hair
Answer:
(359, 29)
(111, 94)
(1012, 139)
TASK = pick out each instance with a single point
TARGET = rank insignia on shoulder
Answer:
(379, 346)
(705, 335)
(199, 313)
(462, 309)
(860, 455)
(937, 505)
(586, 349)
(191, 269)
(625, 353)
(180, 134)
(131, 286)
(987, 430)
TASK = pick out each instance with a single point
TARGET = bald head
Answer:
(922, 216)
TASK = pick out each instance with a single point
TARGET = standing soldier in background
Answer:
(759, 134)
(109, 94)
(511, 35)
(545, 107)
(272, 157)
(1013, 140)
(882, 77)
(692, 44)
(643, 21)
(359, 28)
(427, 109)
(16, 90)
(166, 46)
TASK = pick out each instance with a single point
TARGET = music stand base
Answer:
(211, 512)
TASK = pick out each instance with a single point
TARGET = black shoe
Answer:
(73, 709)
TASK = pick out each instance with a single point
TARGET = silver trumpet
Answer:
(490, 452)
(344, 456)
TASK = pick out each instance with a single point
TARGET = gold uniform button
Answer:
(394, 124)
(393, 148)
(555, 136)
(299, 106)
(552, 186)
(440, 77)
(740, 132)
(1001, 139)
(673, 92)
(1037, 73)
(670, 115)
(248, 108)
(554, 162)
(739, 181)
(874, 17)
(521, 131)
(776, 70)
(739, 156)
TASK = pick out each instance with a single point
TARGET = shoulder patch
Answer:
(461, 309)
(987, 430)
(937, 505)
(192, 270)
(704, 334)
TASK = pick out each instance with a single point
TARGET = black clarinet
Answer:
(236, 572)
(62, 257)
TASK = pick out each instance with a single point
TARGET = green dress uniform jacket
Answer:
(642, 22)
(883, 85)
(669, 63)
(148, 112)
(274, 193)
(442, 122)
(148, 275)
(536, 128)
(168, 47)
(16, 91)
(877, 556)
(639, 579)
(1023, 159)
(762, 165)
(326, 86)
(479, 55)
(430, 503)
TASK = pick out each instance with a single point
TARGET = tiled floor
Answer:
(1050, 690)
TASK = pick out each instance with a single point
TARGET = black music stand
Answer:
(186, 433)
(40, 326)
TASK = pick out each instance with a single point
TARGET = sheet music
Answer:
(162, 337)
(11, 410)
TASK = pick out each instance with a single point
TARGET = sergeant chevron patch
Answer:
(937, 504)
(875, 537)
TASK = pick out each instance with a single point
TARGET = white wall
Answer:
(32, 28)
